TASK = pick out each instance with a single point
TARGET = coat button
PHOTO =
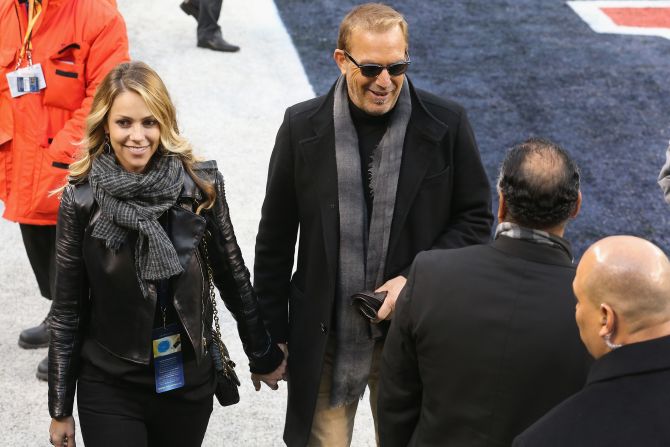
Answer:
(324, 329)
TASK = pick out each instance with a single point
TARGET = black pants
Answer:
(115, 416)
(40, 243)
(208, 18)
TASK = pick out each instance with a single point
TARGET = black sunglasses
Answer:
(374, 70)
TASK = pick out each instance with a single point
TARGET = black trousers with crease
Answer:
(208, 18)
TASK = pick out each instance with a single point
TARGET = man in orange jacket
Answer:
(54, 53)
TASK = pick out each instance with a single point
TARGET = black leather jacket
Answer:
(97, 294)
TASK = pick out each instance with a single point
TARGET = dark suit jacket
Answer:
(624, 404)
(483, 343)
(443, 200)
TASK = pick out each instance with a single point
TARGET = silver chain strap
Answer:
(228, 364)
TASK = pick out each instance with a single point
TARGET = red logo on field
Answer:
(647, 18)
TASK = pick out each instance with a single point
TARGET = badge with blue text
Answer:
(26, 80)
(168, 361)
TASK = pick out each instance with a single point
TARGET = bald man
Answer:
(623, 313)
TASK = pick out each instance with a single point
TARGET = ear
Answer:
(341, 60)
(608, 319)
(578, 205)
(502, 208)
(106, 127)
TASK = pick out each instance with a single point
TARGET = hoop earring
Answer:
(106, 147)
(610, 344)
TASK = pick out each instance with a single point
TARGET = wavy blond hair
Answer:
(139, 78)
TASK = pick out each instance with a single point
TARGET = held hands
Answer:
(272, 379)
(61, 432)
(392, 287)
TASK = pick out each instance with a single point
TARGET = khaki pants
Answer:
(333, 427)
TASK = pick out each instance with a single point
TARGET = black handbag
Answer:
(226, 379)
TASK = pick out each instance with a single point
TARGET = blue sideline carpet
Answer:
(526, 68)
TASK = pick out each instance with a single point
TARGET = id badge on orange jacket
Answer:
(26, 80)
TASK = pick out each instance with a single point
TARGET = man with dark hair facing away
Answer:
(484, 341)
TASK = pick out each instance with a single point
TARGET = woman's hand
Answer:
(272, 379)
(61, 432)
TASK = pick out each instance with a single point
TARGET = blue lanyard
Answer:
(163, 287)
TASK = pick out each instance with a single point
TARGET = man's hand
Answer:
(61, 432)
(392, 287)
(272, 379)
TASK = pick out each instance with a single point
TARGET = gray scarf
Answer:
(362, 257)
(130, 201)
(515, 231)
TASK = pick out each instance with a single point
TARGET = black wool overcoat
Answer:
(624, 403)
(443, 201)
(483, 343)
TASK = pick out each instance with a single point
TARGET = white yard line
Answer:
(593, 15)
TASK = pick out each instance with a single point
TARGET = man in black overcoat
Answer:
(368, 175)
(483, 341)
(623, 313)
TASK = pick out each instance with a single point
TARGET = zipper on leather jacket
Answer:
(205, 282)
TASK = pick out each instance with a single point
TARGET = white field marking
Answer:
(592, 14)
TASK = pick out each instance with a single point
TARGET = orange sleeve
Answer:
(108, 49)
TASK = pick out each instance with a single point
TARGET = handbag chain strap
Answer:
(228, 364)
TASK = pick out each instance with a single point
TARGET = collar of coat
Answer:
(636, 358)
(544, 254)
(429, 126)
(206, 170)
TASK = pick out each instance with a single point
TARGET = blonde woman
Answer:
(139, 223)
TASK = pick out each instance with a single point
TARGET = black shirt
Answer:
(370, 130)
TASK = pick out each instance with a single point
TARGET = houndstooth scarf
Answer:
(362, 256)
(133, 202)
